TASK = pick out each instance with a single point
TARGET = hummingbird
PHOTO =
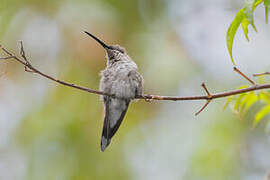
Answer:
(121, 79)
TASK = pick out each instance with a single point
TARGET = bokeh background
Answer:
(48, 131)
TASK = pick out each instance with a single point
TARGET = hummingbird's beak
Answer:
(98, 40)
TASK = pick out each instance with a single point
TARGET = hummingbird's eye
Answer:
(118, 48)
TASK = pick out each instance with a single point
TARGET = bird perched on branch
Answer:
(121, 79)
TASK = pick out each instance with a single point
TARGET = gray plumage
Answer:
(121, 79)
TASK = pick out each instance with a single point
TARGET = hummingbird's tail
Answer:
(115, 110)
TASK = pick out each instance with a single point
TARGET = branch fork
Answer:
(209, 99)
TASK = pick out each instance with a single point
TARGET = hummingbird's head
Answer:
(113, 51)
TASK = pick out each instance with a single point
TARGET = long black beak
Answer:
(98, 40)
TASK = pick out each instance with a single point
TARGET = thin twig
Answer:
(207, 97)
(243, 75)
(206, 90)
(28, 70)
(261, 74)
(205, 105)
(22, 53)
(6, 58)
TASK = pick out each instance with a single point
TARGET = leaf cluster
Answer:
(242, 103)
(245, 18)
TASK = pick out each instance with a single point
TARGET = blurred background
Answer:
(48, 131)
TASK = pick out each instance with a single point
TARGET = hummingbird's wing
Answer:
(115, 110)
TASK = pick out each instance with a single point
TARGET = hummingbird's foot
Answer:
(148, 100)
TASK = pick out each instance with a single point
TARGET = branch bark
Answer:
(261, 74)
(209, 97)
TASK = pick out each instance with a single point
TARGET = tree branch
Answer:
(243, 75)
(209, 97)
(261, 74)
(28, 66)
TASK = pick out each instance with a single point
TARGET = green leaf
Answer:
(238, 101)
(229, 99)
(232, 31)
(261, 114)
(245, 24)
(253, 99)
(248, 101)
(254, 27)
(267, 7)
(264, 97)
(248, 9)
(245, 16)
(243, 87)
(256, 3)
(243, 102)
